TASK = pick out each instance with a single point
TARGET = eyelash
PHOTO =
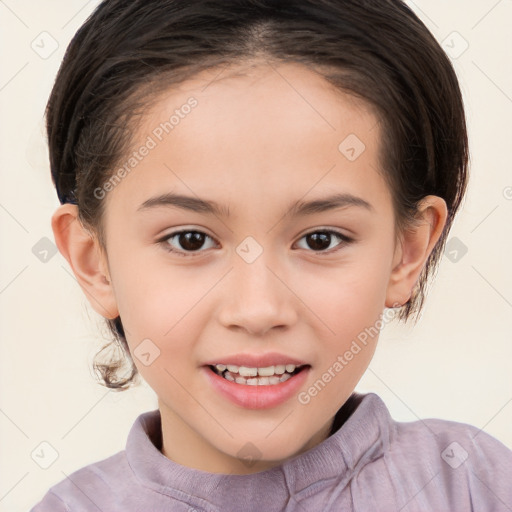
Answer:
(345, 240)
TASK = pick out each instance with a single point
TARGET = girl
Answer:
(247, 188)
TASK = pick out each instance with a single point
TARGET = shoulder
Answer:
(92, 487)
(50, 502)
(460, 459)
(455, 443)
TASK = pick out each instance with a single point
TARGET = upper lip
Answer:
(256, 360)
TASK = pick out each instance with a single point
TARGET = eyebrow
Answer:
(299, 208)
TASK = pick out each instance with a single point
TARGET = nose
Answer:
(257, 298)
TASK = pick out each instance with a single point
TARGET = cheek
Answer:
(152, 296)
(348, 301)
(351, 294)
(165, 306)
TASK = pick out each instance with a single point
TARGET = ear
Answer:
(84, 255)
(414, 248)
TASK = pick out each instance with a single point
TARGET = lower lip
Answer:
(257, 397)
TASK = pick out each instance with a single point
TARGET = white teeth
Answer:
(247, 372)
(258, 381)
(269, 375)
(261, 381)
(279, 369)
(266, 372)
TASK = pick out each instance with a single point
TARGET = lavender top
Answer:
(369, 463)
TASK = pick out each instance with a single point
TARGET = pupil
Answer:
(191, 240)
(194, 240)
(320, 240)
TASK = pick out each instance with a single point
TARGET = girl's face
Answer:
(286, 256)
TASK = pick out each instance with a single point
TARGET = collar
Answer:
(364, 435)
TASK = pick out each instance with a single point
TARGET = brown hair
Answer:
(126, 53)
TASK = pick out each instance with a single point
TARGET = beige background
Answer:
(455, 364)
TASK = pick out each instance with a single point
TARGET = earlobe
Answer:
(417, 243)
(84, 255)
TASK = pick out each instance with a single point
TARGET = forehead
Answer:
(276, 130)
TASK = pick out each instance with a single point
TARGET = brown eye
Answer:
(320, 241)
(191, 240)
(181, 242)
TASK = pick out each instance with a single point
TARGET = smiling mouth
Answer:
(268, 376)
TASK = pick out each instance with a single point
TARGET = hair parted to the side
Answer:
(126, 53)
